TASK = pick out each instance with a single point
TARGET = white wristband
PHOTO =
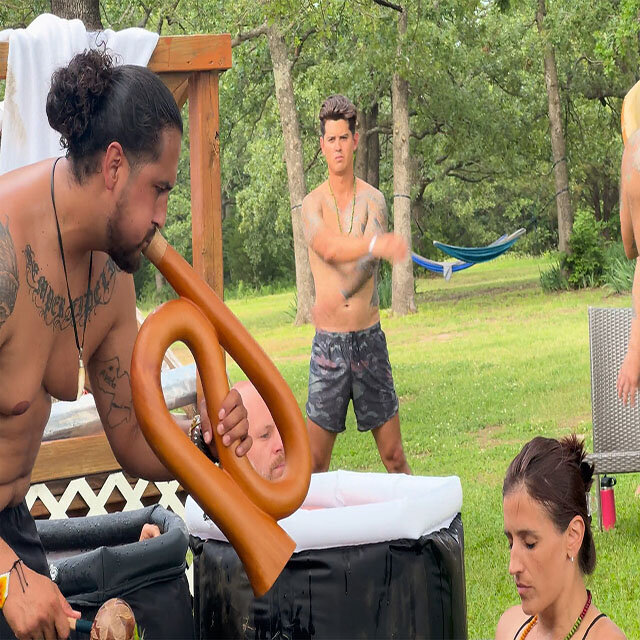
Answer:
(372, 243)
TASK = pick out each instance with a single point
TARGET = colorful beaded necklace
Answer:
(353, 206)
(532, 624)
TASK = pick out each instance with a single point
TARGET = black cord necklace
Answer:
(85, 306)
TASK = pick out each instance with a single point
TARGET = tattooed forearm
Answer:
(8, 274)
(54, 307)
(115, 382)
(363, 272)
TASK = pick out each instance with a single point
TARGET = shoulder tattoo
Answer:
(54, 307)
(8, 273)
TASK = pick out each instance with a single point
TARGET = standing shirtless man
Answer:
(74, 229)
(345, 221)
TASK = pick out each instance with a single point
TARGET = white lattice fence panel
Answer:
(132, 495)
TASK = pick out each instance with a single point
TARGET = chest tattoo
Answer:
(53, 307)
(8, 274)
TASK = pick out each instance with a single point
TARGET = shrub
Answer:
(586, 261)
(619, 270)
(554, 278)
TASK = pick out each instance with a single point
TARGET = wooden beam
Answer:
(206, 199)
(178, 84)
(73, 458)
(4, 56)
(174, 53)
(192, 53)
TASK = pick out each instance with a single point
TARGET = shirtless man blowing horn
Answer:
(73, 230)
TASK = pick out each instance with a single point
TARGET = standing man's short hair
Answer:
(337, 107)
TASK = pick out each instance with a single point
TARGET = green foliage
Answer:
(585, 264)
(619, 270)
(553, 277)
(480, 147)
(384, 285)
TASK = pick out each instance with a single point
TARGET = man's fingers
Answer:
(243, 448)
(235, 431)
(231, 418)
(229, 403)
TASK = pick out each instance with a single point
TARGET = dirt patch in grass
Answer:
(489, 437)
(574, 422)
(442, 337)
(477, 292)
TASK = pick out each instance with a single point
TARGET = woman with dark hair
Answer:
(548, 526)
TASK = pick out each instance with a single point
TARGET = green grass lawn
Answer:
(488, 362)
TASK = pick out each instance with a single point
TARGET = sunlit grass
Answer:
(488, 362)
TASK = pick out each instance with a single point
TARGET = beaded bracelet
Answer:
(195, 435)
(4, 581)
(4, 587)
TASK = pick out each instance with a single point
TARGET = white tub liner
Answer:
(354, 508)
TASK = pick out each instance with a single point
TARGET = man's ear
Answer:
(114, 165)
(356, 137)
(322, 144)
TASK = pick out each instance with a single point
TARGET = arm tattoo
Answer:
(8, 274)
(365, 268)
(115, 382)
(53, 307)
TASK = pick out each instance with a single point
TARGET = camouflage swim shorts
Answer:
(350, 366)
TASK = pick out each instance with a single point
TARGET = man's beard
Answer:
(276, 463)
(127, 259)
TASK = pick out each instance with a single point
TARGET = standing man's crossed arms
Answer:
(345, 222)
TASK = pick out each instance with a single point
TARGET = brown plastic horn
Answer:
(243, 504)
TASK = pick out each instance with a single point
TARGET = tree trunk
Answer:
(402, 298)
(373, 149)
(558, 145)
(295, 167)
(86, 10)
(361, 161)
(160, 281)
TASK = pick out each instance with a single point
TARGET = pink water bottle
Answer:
(607, 502)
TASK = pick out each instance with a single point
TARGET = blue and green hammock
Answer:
(467, 256)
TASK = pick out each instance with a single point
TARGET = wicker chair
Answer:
(616, 428)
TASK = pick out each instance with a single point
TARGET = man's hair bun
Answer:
(77, 94)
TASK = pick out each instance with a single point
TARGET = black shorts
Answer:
(18, 530)
(350, 366)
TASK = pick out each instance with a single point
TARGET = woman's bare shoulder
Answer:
(510, 621)
(606, 629)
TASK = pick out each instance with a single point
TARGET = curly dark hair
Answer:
(93, 102)
(556, 474)
(337, 107)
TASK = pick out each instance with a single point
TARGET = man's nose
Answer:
(160, 216)
(277, 442)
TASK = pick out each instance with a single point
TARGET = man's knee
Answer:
(319, 463)
(394, 459)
